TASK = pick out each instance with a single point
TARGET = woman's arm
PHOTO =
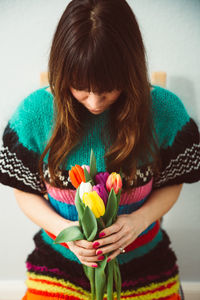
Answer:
(40, 212)
(129, 226)
(158, 204)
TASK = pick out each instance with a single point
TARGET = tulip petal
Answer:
(95, 203)
(73, 178)
(80, 173)
(85, 187)
(99, 203)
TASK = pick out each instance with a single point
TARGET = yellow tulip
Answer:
(95, 203)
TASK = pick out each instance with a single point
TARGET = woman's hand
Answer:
(85, 251)
(119, 235)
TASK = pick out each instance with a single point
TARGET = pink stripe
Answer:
(136, 194)
(68, 195)
(30, 267)
(65, 195)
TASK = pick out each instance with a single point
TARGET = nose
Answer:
(95, 100)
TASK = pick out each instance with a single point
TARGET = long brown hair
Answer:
(98, 46)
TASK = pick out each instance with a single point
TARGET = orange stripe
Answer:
(32, 294)
(55, 284)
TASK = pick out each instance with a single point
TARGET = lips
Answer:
(96, 110)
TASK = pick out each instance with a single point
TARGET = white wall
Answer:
(171, 31)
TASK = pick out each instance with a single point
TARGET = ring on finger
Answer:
(122, 250)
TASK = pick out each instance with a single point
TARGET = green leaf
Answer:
(117, 278)
(111, 208)
(88, 177)
(80, 207)
(93, 168)
(89, 224)
(110, 275)
(80, 222)
(72, 233)
(100, 279)
(118, 196)
(90, 273)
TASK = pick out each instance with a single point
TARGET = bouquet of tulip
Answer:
(96, 210)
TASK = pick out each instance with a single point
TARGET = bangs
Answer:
(96, 68)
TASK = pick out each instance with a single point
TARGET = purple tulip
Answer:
(101, 191)
(101, 178)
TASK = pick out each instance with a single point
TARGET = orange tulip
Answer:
(114, 181)
(76, 175)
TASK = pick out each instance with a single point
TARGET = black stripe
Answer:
(185, 150)
(18, 165)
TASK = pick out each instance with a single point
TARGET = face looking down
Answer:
(94, 102)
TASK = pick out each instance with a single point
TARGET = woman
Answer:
(100, 97)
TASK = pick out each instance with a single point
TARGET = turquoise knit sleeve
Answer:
(24, 139)
(179, 140)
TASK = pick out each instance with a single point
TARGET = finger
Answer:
(85, 252)
(113, 255)
(93, 265)
(93, 259)
(110, 230)
(84, 244)
(123, 242)
(111, 239)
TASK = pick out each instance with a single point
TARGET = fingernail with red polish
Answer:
(94, 266)
(101, 234)
(99, 252)
(109, 259)
(95, 245)
(100, 257)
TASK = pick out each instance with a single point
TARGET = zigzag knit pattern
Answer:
(149, 266)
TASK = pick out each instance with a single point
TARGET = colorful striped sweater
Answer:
(148, 267)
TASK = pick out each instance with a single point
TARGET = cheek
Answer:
(115, 97)
(80, 96)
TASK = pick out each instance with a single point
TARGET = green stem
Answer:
(102, 222)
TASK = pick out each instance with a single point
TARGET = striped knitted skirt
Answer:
(148, 271)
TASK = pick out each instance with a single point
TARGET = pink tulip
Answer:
(114, 181)
(87, 168)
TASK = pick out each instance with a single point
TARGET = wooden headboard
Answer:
(157, 78)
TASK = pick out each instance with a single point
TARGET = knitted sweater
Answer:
(24, 140)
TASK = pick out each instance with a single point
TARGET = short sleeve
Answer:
(23, 142)
(179, 141)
